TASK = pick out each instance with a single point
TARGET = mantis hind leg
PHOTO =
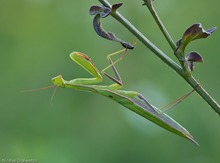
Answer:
(176, 101)
(112, 64)
(118, 80)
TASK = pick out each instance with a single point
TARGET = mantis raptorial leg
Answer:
(80, 58)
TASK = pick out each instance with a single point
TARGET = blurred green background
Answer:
(36, 37)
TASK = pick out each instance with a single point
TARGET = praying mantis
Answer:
(132, 100)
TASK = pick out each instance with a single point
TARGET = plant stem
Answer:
(189, 78)
(178, 54)
(143, 39)
(166, 34)
(202, 92)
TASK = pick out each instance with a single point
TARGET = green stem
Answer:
(192, 82)
(143, 39)
(202, 92)
(187, 76)
(166, 34)
(169, 39)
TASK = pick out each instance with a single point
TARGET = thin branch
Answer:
(178, 54)
(143, 39)
(160, 24)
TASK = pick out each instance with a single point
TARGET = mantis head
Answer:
(58, 81)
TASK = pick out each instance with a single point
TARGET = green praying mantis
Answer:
(132, 100)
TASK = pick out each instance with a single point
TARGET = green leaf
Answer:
(194, 32)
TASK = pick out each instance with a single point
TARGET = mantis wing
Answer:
(152, 114)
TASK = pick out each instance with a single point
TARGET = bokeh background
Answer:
(36, 37)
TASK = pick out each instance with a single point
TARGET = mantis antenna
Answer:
(44, 88)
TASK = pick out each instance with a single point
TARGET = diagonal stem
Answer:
(189, 78)
(178, 54)
(143, 39)
(163, 29)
